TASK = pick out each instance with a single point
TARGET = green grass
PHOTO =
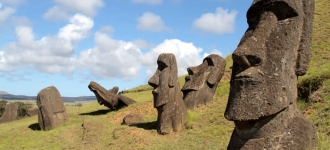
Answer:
(206, 127)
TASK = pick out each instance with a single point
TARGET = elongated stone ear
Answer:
(305, 40)
(173, 78)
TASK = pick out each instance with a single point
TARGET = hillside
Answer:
(206, 129)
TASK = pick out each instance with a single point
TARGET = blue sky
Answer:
(115, 43)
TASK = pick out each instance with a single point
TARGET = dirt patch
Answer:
(146, 110)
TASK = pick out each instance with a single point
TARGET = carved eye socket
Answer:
(161, 65)
(209, 61)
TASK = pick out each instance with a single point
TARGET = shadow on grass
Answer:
(35, 126)
(96, 113)
(145, 125)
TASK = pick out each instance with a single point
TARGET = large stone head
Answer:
(203, 80)
(103, 96)
(165, 79)
(272, 53)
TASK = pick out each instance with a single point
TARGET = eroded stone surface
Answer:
(167, 95)
(203, 80)
(52, 112)
(263, 88)
(132, 119)
(10, 113)
(109, 98)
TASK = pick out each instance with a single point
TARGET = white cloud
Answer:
(152, 2)
(6, 13)
(111, 58)
(214, 51)
(151, 22)
(64, 7)
(50, 54)
(187, 54)
(143, 44)
(220, 22)
(56, 13)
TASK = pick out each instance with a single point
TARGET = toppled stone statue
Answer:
(10, 113)
(263, 88)
(167, 95)
(203, 80)
(109, 98)
(52, 112)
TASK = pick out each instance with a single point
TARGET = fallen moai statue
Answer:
(52, 112)
(203, 80)
(10, 113)
(263, 88)
(168, 101)
(109, 98)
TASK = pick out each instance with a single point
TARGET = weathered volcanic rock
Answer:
(52, 112)
(109, 98)
(167, 95)
(203, 80)
(263, 88)
(132, 119)
(10, 113)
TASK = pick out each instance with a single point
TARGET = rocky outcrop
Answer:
(167, 95)
(52, 112)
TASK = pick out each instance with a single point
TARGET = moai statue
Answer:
(10, 113)
(203, 80)
(167, 95)
(52, 112)
(263, 88)
(109, 98)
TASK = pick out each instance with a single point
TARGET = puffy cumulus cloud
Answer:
(111, 58)
(5, 13)
(187, 54)
(50, 54)
(222, 21)
(151, 22)
(63, 8)
(153, 2)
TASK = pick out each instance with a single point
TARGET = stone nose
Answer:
(245, 58)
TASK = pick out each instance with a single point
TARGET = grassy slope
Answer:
(207, 128)
(317, 79)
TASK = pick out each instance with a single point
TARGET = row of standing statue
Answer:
(273, 52)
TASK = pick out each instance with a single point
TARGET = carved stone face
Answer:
(203, 80)
(164, 79)
(264, 72)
